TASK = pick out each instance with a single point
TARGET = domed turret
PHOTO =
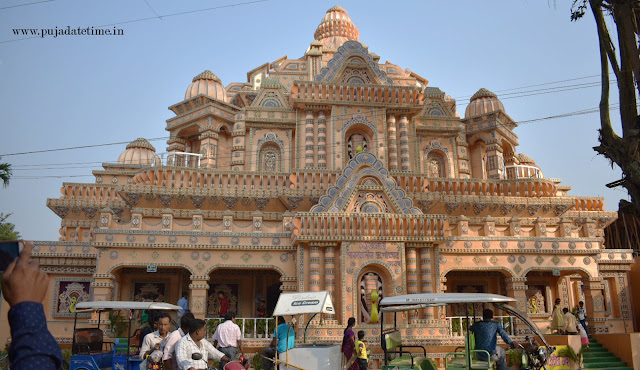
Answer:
(483, 101)
(208, 84)
(335, 29)
(139, 151)
(525, 159)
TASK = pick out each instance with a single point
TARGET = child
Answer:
(584, 338)
(361, 351)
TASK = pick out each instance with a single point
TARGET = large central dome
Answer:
(335, 29)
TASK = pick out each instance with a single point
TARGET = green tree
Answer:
(5, 173)
(7, 229)
(623, 56)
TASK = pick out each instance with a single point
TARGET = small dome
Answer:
(139, 151)
(525, 159)
(208, 84)
(336, 28)
(483, 101)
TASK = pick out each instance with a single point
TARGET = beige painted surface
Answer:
(624, 346)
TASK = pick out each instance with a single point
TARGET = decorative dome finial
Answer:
(336, 28)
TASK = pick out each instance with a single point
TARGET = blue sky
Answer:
(84, 90)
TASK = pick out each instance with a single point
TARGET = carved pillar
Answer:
(593, 289)
(237, 146)
(393, 144)
(426, 278)
(308, 142)
(103, 287)
(517, 288)
(314, 269)
(176, 145)
(105, 218)
(167, 219)
(330, 273)
(412, 276)
(227, 221)
(198, 295)
(208, 149)
(322, 140)
(495, 163)
(405, 164)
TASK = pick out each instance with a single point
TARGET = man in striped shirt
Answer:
(194, 342)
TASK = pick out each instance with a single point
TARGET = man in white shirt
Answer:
(194, 343)
(157, 339)
(228, 338)
(169, 356)
(571, 324)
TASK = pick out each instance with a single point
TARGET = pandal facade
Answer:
(334, 172)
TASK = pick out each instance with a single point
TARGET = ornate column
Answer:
(176, 145)
(198, 295)
(517, 288)
(412, 276)
(308, 142)
(330, 274)
(103, 285)
(237, 146)
(314, 268)
(495, 162)
(208, 149)
(393, 144)
(322, 140)
(593, 289)
(426, 279)
(405, 164)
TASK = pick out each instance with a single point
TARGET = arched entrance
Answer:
(249, 292)
(166, 284)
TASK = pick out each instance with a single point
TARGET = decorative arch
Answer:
(381, 269)
(584, 271)
(245, 267)
(508, 273)
(437, 160)
(270, 153)
(342, 59)
(115, 267)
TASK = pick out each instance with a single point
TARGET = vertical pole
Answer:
(129, 339)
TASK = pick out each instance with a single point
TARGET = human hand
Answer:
(24, 281)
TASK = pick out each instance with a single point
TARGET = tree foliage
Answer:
(623, 56)
(7, 229)
(5, 173)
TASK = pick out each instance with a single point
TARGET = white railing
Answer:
(179, 159)
(521, 171)
(251, 327)
(458, 324)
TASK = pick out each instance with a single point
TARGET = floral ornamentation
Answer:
(588, 245)
(195, 255)
(522, 259)
(571, 260)
(235, 240)
(267, 257)
(275, 241)
(443, 260)
(225, 256)
(349, 270)
(586, 260)
(572, 245)
(206, 256)
(468, 244)
(477, 260)
(176, 255)
(517, 269)
(504, 244)
(200, 266)
(450, 244)
(457, 260)
(255, 240)
(108, 237)
(493, 260)
(511, 258)
(538, 244)
(68, 249)
(555, 260)
(284, 257)
(85, 249)
(539, 260)
(213, 240)
(193, 239)
(246, 257)
(113, 255)
(155, 255)
(131, 238)
(521, 244)
(151, 239)
(555, 245)
(486, 244)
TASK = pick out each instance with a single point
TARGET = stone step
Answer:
(604, 365)
(593, 360)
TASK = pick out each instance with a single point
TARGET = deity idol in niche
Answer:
(357, 143)
(370, 297)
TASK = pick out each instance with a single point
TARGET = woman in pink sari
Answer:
(349, 347)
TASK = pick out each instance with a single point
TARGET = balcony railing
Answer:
(251, 327)
(179, 159)
(458, 324)
(521, 171)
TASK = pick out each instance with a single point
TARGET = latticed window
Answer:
(269, 160)
(435, 165)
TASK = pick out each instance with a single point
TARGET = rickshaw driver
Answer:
(486, 332)
(156, 340)
(194, 342)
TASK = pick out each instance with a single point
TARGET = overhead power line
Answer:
(19, 5)
(78, 147)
